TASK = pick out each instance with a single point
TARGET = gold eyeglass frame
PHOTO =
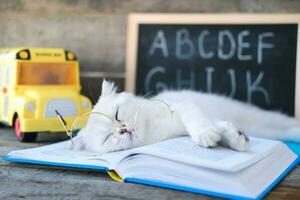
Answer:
(116, 123)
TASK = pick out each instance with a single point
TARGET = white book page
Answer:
(240, 183)
(60, 153)
(184, 150)
(178, 149)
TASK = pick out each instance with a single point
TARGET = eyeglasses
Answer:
(151, 115)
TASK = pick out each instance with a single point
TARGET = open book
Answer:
(180, 164)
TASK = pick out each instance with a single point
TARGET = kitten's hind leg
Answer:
(232, 137)
(292, 135)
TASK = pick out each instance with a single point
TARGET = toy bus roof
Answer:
(18, 49)
(12, 52)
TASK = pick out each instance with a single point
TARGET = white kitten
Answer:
(209, 119)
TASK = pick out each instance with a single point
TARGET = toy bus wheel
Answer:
(22, 136)
(1, 125)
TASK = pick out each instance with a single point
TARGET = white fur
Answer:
(208, 118)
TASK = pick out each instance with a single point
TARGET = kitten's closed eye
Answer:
(116, 116)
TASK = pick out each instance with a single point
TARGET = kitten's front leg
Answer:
(201, 129)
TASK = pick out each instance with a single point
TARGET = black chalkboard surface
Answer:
(255, 63)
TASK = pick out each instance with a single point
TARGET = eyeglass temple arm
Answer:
(63, 121)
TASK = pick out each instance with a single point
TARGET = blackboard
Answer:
(250, 62)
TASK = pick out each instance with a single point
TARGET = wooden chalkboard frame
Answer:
(135, 19)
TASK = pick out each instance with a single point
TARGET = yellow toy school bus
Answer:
(34, 82)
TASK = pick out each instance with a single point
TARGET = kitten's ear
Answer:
(108, 88)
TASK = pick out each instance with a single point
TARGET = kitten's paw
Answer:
(76, 144)
(235, 139)
(208, 137)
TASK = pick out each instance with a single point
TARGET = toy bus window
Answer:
(47, 74)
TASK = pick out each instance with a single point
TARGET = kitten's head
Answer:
(128, 121)
(102, 134)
